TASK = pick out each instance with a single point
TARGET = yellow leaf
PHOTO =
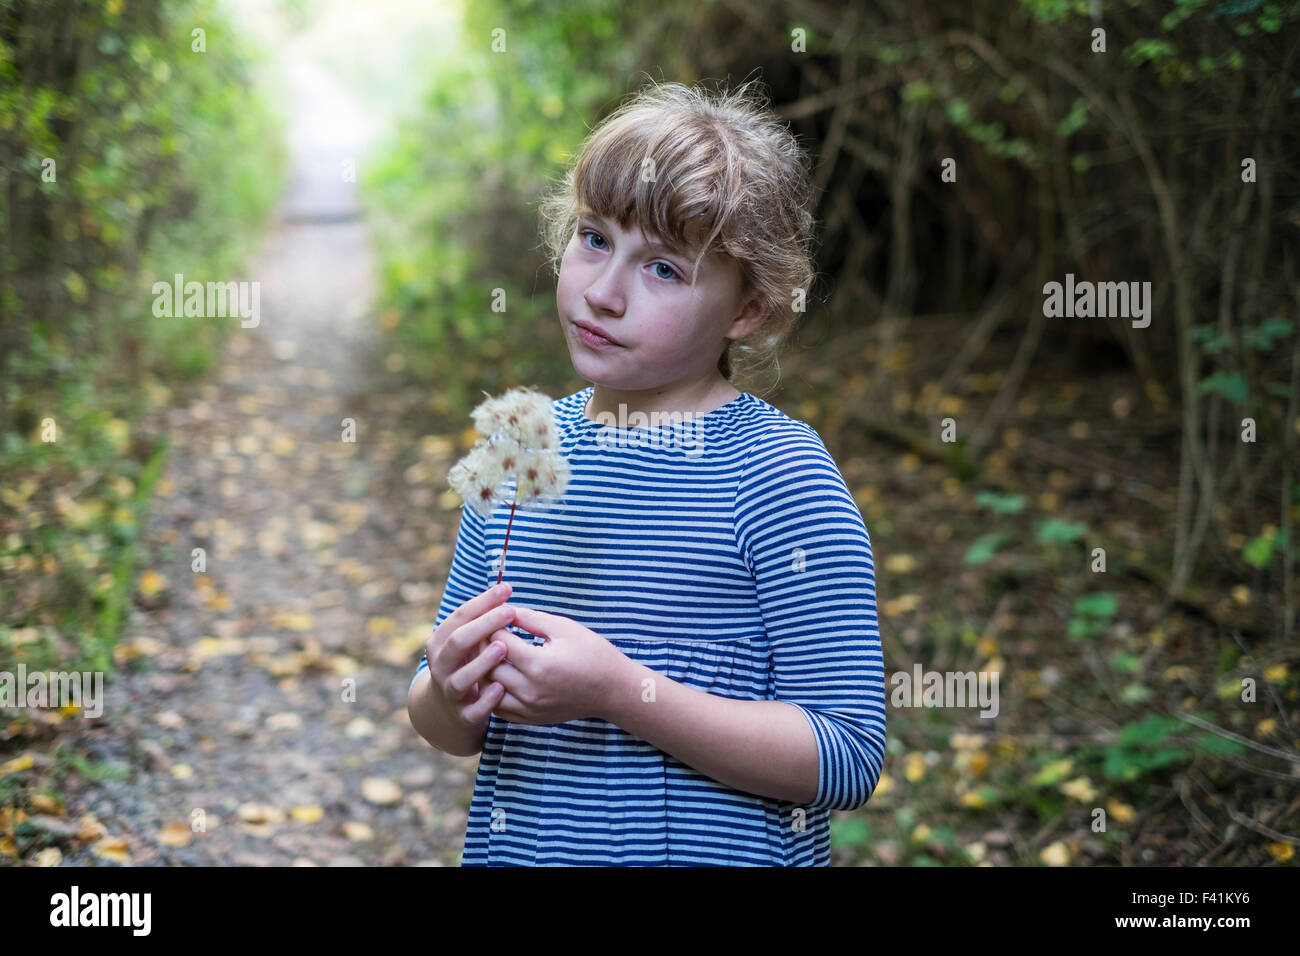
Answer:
(973, 799)
(380, 790)
(284, 721)
(258, 813)
(1080, 789)
(311, 814)
(43, 803)
(900, 563)
(902, 604)
(175, 834)
(381, 626)
(50, 856)
(113, 848)
(921, 833)
(884, 785)
(151, 583)
(1266, 727)
(356, 830)
(1275, 674)
(344, 665)
(21, 762)
(209, 647)
(182, 771)
(1280, 851)
(1058, 854)
(292, 621)
(915, 769)
(979, 764)
(1120, 811)
(91, 829)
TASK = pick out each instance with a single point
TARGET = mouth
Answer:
(597, 333)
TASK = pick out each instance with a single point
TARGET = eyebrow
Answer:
(652, 244)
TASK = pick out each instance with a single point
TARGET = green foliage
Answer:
(1092, 615)
(983, 548)
(164, 160)
(1146, 746)
(1001, 504)
(1258, 552)
(1054, 530)
(1231, 385)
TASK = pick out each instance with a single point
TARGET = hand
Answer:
(460, 656)
(567, 678)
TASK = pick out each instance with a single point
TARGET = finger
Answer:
(476, 670)
(535, 621)
(471, 609)
(487, 700)
(511, 708)
(509, 677)
(518, 651)
(465, 638)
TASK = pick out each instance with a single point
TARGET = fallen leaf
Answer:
(380, 790)
(175, 834)
(915, 769)
(1080, 789)
(43, 803)
(359, 727)
(91, 829)
(356, 830)
(1280, 851)
(50, 856)
(151, 583)
(256, 813)
(19, 763)
(309, 814)
(113, 848)
(1120, 811)
(1058, 854)
(284, 721)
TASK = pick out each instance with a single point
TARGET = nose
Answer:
(604, 294)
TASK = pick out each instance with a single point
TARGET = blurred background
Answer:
(245, 524)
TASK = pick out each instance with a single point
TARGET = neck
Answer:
(693, 400)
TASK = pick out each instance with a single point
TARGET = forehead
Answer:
(652, 241)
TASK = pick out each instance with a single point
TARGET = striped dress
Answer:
(726, 553)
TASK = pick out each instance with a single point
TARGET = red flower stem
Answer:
(507, 542)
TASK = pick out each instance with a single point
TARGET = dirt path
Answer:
(325, 560)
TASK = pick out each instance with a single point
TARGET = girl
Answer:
(690, 670)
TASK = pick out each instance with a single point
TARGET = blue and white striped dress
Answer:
(725, 552)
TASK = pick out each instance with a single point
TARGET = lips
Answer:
(597, 330)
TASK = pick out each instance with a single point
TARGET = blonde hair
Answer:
(725, 173)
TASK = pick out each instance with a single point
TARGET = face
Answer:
(668, 332)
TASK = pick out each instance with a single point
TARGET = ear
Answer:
(751, 316)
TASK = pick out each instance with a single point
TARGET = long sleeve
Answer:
(467, 577)
(808, 549)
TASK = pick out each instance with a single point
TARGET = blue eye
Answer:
(591, 232)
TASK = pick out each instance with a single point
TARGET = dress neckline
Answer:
(727, 410)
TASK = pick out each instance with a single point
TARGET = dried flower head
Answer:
(521, 444)
(525, 415)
